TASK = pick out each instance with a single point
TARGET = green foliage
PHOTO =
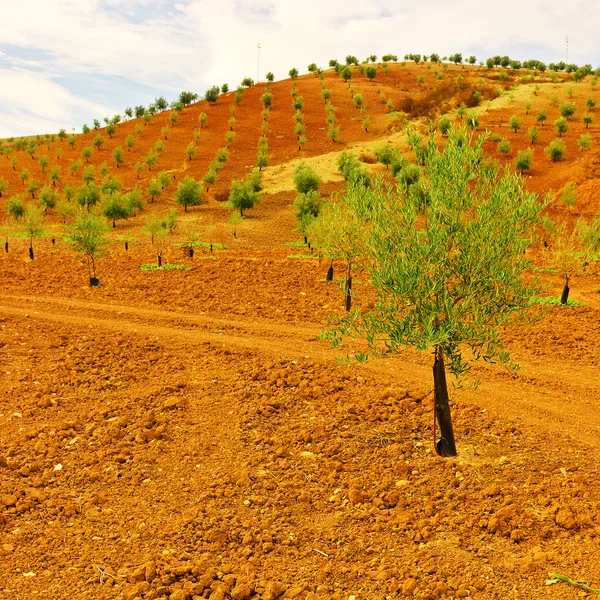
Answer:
(503, 146)
(43, 161)
(33, 187)
(173, 117)
(32, 223)
(111, 184)
(439, 282)
(587, 119)
(118, 156)
(189, 193)
(171, 267)
(305, 179)
(253, 180)
(89, 174)
(110, 130)
(87, 236)
(533, 134)
(567, 109)
(202, 118)
(48, 198)
(444, 125)
(211, 95)
(514, 123)
(555, 150)
(371, 73)
(247, 82)
(16, 207)
(242, 196)
(561, 126)
(270, 77)
(293, 73)
(584, 141)
(97, 142)
(88, 195)
(298, 103)
(306, 208)
(524, 160)
(325, 94)
(190, 150)
(541, 117)
(267, 99)
(116, 207)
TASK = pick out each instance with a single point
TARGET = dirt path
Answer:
(557, 398)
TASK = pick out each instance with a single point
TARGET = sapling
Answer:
(440, 284)
(33, 226)
(87, 236)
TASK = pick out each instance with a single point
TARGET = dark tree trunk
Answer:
(126, 246)
(565, 293)
(94, 282)
(114, 223)
(159, 260)
(305, 240)
(211, 249)
(191, 252)
(235, 235)
(31, 253)
(6, 246)
(445, 446)
(348, 303)
(53, 241)
(329, 276)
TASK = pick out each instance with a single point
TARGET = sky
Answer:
(64, 63)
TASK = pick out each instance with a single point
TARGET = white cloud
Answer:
(31, 103)
(193, 44)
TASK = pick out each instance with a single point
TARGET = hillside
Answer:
(185, 434)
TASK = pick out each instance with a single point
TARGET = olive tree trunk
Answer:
(445, 446)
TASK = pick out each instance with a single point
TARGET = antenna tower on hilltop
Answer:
(258, 64)
(567, 53)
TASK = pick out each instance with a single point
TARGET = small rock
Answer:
(244, 478)
(355, 495)
(565, 519)
(273, 590)
(173, 403)
(304, 497)
(179, 595)
(242, 591)
(409, 587)
(379, 575)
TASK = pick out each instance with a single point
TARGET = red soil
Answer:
(211, 446)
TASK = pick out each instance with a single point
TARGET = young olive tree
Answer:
(33, 226)
(87, 236)
(440, 284)
(189, 193)
(242, 196)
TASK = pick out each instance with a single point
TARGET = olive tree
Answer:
(440, 284)
(242, 196)
(33, 226)
(116, 207)
(189, 193)
(87, 237)
(305, 179)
